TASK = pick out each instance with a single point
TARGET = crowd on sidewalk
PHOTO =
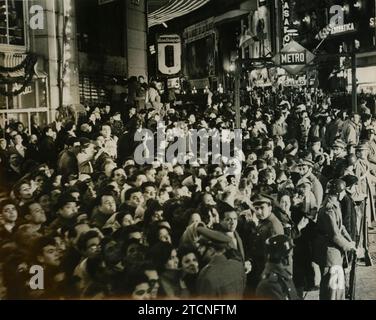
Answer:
(75, 201)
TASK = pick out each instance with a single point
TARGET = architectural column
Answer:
(48, 43)
(136, 18)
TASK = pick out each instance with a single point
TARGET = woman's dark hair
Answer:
(84, 238)
(153, 232)
(151, 207)
(283, 193)
(133, 280)
(184, 250)
(159, 254)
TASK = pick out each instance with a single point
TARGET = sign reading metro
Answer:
(293, 57)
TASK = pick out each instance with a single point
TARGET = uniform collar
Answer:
(278, 269)
(217, 259)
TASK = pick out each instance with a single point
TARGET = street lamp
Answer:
(232, 67)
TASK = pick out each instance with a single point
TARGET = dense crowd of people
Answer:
(75, 202)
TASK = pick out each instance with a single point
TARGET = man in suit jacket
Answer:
(330, 245)
(228, 222)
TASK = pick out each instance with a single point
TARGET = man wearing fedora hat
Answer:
(221, 277)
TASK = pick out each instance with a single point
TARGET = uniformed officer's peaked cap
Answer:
(278, 246)
(305, 162)
(262, 198)
(84, 142)
(339, 144)
(216, 238)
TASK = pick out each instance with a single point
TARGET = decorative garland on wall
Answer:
(28, 65)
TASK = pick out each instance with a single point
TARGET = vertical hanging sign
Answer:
(169, 54)
(286, 22)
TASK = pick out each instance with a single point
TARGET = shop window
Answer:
(92, 90)
(12, 23)
(32, 101)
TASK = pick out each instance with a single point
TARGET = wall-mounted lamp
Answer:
(346, 8)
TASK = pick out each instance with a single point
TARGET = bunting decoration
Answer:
(174, 9)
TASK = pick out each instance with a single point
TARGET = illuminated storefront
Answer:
(23, 87)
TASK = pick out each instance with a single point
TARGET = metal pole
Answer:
(354, 83)
(237, 94)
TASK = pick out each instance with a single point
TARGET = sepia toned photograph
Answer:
(187, 150)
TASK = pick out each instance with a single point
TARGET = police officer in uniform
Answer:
(276, 281)
(268, 226)
(221, 278)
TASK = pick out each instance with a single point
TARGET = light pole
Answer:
(354, 82)
(237, 93)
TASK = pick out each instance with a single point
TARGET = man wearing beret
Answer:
(221, 278)
(268, 226)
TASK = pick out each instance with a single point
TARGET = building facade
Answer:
(51, 50)
(112, 44)
(37, 58)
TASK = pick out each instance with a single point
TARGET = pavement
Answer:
(365, 276)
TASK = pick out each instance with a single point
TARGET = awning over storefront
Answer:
(366, 59)
(229, 16)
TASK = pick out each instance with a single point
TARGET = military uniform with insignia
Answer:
(221, 278)
(276, 281)
(266, 228)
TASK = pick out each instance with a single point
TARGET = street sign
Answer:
(343, 29)
(169, 54)
(293, 57)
